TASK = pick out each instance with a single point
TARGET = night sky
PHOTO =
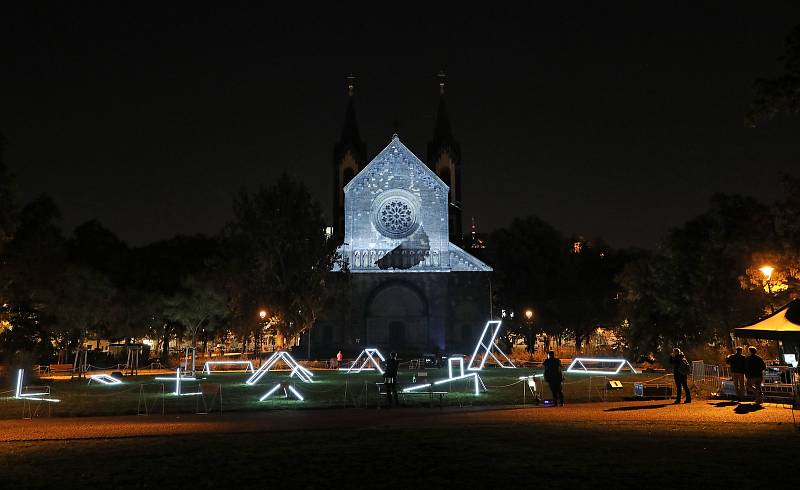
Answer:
(615, 121)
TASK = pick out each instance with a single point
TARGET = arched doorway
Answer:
(397, 317)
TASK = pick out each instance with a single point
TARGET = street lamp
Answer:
(257, 341)
(767, 271)
(531, 340)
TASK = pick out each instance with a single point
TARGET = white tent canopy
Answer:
(783, 325)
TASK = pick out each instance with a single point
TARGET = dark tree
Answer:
(278, 258)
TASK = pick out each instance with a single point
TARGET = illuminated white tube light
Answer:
(450, 361)
(104, 379)
(291, 388)
(273, 390)
(417, 387)
(368, 358)
(296, 369)
(489, 347)
(38, 396)
(248, 365)
(578, 366)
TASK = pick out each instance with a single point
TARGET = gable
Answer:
(397, 154)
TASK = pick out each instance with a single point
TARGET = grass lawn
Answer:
(331, 389)
(514, 455)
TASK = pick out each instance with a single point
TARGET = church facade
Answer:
(410, 288)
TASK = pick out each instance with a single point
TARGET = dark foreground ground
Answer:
(608, 445)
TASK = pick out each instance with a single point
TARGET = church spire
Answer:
(444, 158)
(442, 131)
(351, 137)
(349, 157)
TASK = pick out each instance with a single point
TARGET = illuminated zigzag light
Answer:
(178, 379)
(104, 379)
(493, 328)
(581, 367)
(417, 387)
(301, 372)
(474, 376)
(450, 366)
(248, 365)
(38, 396)
(367, 354)
(275, 388)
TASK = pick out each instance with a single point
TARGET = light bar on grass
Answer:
(41, 396)
(104, 379)
(417, 387)
(286, 394)
(578, 365)
(248, 366)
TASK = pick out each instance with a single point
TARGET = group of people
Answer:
(747, 373)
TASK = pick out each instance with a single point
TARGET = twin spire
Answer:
(443, 157)
(442, 132)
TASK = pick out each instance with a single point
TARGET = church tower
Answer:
(444, 158)
(349, 157)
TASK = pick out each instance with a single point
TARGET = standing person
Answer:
(754, 370)
(680, 371)
(390, 379)
(738, 363)
(554, 377)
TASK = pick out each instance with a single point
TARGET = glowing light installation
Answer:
(489, 347)
(361, 365)
(460, 361)
(477, 379)
(301, 372)
(286, 394)
(248, 366)
(578, 365)
(104, 379)
(178, 379)
(41, 396)
(416, 387)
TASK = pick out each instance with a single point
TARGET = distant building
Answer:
(411, 289)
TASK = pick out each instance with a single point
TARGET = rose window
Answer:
(396, 217)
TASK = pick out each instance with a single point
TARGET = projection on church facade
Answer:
(396, 218)
(411, 289)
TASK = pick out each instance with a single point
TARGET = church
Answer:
(410, 288)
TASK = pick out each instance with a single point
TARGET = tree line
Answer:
(57, 292)
(692, 290)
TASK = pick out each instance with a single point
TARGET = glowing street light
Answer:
(262, 314)
(767, 271)
(528, 314)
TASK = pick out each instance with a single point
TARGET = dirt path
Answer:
(656, 412)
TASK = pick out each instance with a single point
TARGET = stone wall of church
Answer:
(411, 313)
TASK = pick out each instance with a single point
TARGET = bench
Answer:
(60, 368)
(430, 394)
